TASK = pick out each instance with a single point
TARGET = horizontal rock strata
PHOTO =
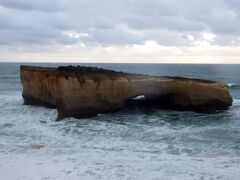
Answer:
(86, 91)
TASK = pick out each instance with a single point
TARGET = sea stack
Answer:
(87, 91)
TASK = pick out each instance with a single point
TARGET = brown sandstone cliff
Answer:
(85, 92)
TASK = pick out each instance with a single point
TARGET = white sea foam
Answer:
(236, 102)
(231, 84)
(121, 165)
(234, 85)
(137, 145)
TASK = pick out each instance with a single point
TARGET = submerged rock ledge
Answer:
(86, 91)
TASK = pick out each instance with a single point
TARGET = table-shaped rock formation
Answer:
(86, 91)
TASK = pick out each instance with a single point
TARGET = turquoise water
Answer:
(134, 143)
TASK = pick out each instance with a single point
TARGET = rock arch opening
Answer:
(161, 101)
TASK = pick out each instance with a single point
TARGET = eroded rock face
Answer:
(85, 91)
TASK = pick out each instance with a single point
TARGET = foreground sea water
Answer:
(133, 143)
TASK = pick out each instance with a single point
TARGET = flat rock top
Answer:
(79, 71)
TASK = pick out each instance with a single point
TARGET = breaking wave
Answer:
(233, 85)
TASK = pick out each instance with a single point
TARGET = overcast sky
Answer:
(162, 31)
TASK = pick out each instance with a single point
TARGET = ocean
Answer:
(134, 143)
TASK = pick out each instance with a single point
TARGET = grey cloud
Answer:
(173, 23)
(44, 5)
(115, 36)
(118, 22)
(33, 37)
(235, 4)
